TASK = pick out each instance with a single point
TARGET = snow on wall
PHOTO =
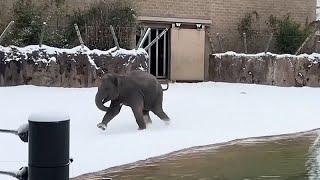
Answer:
(266, 68)
(76, 67)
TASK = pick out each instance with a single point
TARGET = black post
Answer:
(49, 146)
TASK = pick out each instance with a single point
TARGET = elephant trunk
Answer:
(100, 103)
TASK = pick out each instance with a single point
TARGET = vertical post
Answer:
(49, 147)
(6, 30)
(269, 42)
(140, 44)
(114, 37)
(164, 55)
(220, 42)
(79, 35)
(305, 41)
(149, 52)
(245, 43)
(42, 33)
(142, 33)
(157, 54)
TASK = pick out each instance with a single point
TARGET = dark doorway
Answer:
(159, 53)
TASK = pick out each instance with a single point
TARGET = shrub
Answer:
(289, 35)
(246, 24)
(94, 24)
(28, 24)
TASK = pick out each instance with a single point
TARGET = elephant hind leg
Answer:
(138, 114)
(161, 114)
(146, 117)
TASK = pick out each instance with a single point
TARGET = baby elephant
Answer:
(139, 90)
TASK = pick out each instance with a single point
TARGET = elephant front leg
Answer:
(114, 110)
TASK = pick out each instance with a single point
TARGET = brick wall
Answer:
(225, 14)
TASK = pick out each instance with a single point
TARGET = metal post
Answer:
(150, 53)
(245, 43)
(42, 33)
(79, 35)
(269, 42)
(142, 33)
(156, 39)
(22, 132)
(140, 44)
(22, 174)
(305, 41)
(114, 37)
(157, 54)
(6, 30)
(49, 147)
(164, 54)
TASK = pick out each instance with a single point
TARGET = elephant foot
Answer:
(140, 129)
(167, 123)
(102, 126)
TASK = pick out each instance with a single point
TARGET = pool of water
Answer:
(288, 157)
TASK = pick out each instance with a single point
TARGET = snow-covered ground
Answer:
(201, 113)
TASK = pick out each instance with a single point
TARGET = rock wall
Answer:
(77, 67)
(268, 69)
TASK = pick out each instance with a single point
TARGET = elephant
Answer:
(139, 90)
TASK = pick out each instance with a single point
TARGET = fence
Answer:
(100, 37)
(94, 37)
(260, 42)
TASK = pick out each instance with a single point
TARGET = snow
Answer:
(314, 57)
(114, 52)
(49, 117)
(201, 113)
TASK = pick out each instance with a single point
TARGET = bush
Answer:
(28, 24)
(289, 35)
(94, 24)
(246, 24)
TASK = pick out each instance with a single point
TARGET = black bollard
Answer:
(49, 147)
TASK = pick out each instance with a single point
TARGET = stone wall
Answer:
(267, 69)
(77, 67)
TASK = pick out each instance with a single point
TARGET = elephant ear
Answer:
(114, 79)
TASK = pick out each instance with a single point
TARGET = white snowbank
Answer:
(201, 113)
(315, 57)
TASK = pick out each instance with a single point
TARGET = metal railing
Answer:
(48, 140)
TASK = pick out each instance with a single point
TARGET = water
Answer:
(292, 157)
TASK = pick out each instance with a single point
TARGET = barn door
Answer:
(187, 54)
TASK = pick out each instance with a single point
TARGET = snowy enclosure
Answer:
(201, 114)
(77, 67)
(266, 68)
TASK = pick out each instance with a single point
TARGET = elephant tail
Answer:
(166, 87)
